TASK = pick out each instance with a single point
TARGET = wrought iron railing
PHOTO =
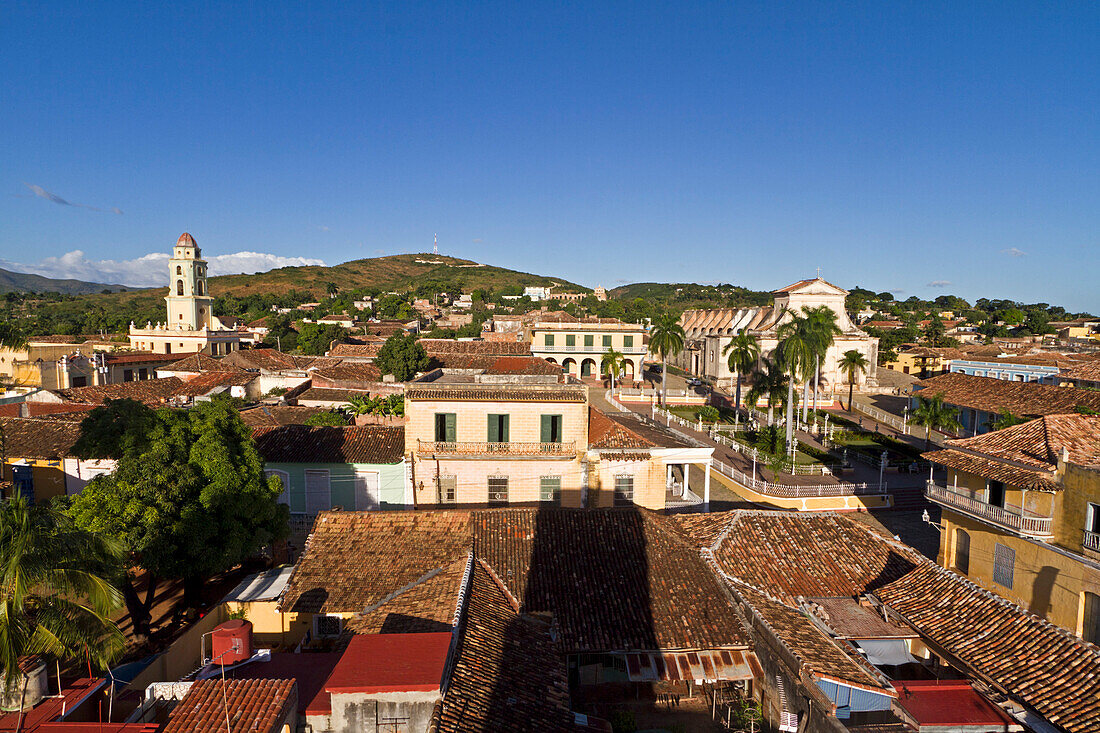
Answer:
(1091, 541)
(1032, 525)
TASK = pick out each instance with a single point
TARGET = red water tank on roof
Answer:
(232, 642)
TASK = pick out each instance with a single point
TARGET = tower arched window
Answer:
(179, 287)
(202, 287)
(179, 269)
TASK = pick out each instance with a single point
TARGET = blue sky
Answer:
(893, 145)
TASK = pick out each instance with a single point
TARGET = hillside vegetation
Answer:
(25, 282)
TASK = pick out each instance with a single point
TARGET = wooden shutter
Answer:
(493, 432)
(546, 431)
(449, 431)
(503, 428)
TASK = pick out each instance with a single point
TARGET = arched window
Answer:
(179, 287)
(962, 551)
(202, 287)
(179, 269)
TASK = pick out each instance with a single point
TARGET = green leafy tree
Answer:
(769, 381)
(935, 332)
(853, 363)
(933, 414)
(188, 500)
(316, 338)
(742, 354)
(327, 418)
(402, 356)
(57, 589)
(11, 336)
(666, 338)
(708, 413)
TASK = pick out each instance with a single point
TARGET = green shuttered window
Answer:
(550, 431)
(497, 428)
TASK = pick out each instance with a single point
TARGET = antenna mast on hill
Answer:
(435, 245)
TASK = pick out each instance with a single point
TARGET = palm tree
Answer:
(612, 364)
(11, 337)
(821, 322)
(743, 351)
(1005, 419)
(56, 589)
(933, 414)
(852, 364)
(795, 354)
(666, 338)
(768, 380)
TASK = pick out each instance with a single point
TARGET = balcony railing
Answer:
(1031, 525)
(1091, 541)
(508, 450)
(587, 349)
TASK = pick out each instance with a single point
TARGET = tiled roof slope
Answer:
(653, 591)
(149, 391)
(267, 359)
(1032, 480)
(256, 706)
(791, 554)
(275, 415)
(1040, 442)
(1020, 398)
(37, 409)
(1089, 371)
(816, 652)
(426, 607)
(354, 560)
(207, 382)
(437, 347)
(32, 438)
(351, 444)
(349, 371)
(1046, 667)
(199, 362)
(603, 432)
(509, 674)
(360, 351)
(489, 393)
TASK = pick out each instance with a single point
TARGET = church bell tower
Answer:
(189, 305)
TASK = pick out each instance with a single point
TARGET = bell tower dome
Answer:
(188, 301)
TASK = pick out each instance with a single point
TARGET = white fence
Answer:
(789, 491)
(885, 418)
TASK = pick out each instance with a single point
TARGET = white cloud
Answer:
(1013, 252)
(939, 283)
(150, 270)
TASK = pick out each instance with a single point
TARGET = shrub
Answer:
(708, 413)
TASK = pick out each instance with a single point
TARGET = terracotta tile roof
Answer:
(603, 432)
(1019, 398)
(427, 606)
(348, 371)
(200, 363)
(1023, 478)
(206, 382)
(357, 350)
(1087, 372)
(653, 592)
(331, 394)
(524, 365)
(351, 444)
(34, 438)
(256, 706)
(122, 358)
(149, 391)
(275, 415)
(1046, 667)
(37, 409)
(850, 619)
(494, 393)
(630, 426)
(941, 352)
(803, 283)
(817, 653)
(791, 554)
(1039, 443)
(265, 359)
(440, 347)
(353, 560)
(509, 674)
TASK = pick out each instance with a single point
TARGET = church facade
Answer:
(707, 332)
(191, 326)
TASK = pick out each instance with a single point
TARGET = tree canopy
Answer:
(402, 356)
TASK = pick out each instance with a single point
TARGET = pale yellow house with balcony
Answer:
(471, 444)
(1021, 516)
(579, 345)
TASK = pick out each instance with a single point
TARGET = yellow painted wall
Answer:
(1049, 583)
(471, 421)
(523, 478)
(814, 504)
(1081, 486)
(48, 476)
(649, 482)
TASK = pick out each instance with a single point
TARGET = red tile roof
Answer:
(37, 409)
(207, 382)
(603, 432)
(440, 347)
(376, 444)
(425, 606)
(275, 415)
(377, 664)
(36, 438)
(354, 560)
(348, 371)
(122, 358)
(497, 393)
(199, 362)
(257, 705)
(509, 674)
(153, 392)
(1020, 398)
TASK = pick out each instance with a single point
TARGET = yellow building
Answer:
(579, 345)
(191, 326)
(924, 362)
(524, 443)
(1021, 516)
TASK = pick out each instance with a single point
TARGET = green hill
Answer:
(25, 282)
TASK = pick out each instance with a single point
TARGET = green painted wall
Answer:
(391, 483)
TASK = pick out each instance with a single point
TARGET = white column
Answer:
(706, 486)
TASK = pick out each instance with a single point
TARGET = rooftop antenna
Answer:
(435, 245)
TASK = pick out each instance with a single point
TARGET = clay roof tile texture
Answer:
(375, 444)
(255, 705)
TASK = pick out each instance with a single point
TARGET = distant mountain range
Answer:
(25, 282)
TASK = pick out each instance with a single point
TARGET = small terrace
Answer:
(463, 449)
(1023, 523)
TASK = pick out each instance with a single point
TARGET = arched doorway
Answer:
(628, 371)
(570, 366)
(588, 368)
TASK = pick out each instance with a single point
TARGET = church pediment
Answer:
(816, 286)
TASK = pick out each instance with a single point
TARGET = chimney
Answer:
(24, 409)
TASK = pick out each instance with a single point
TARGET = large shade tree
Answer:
(742, 354)
(666, 338)
(57, 590)
(189, 498)
(402, 356)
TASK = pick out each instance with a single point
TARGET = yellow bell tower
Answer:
(189, 305)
